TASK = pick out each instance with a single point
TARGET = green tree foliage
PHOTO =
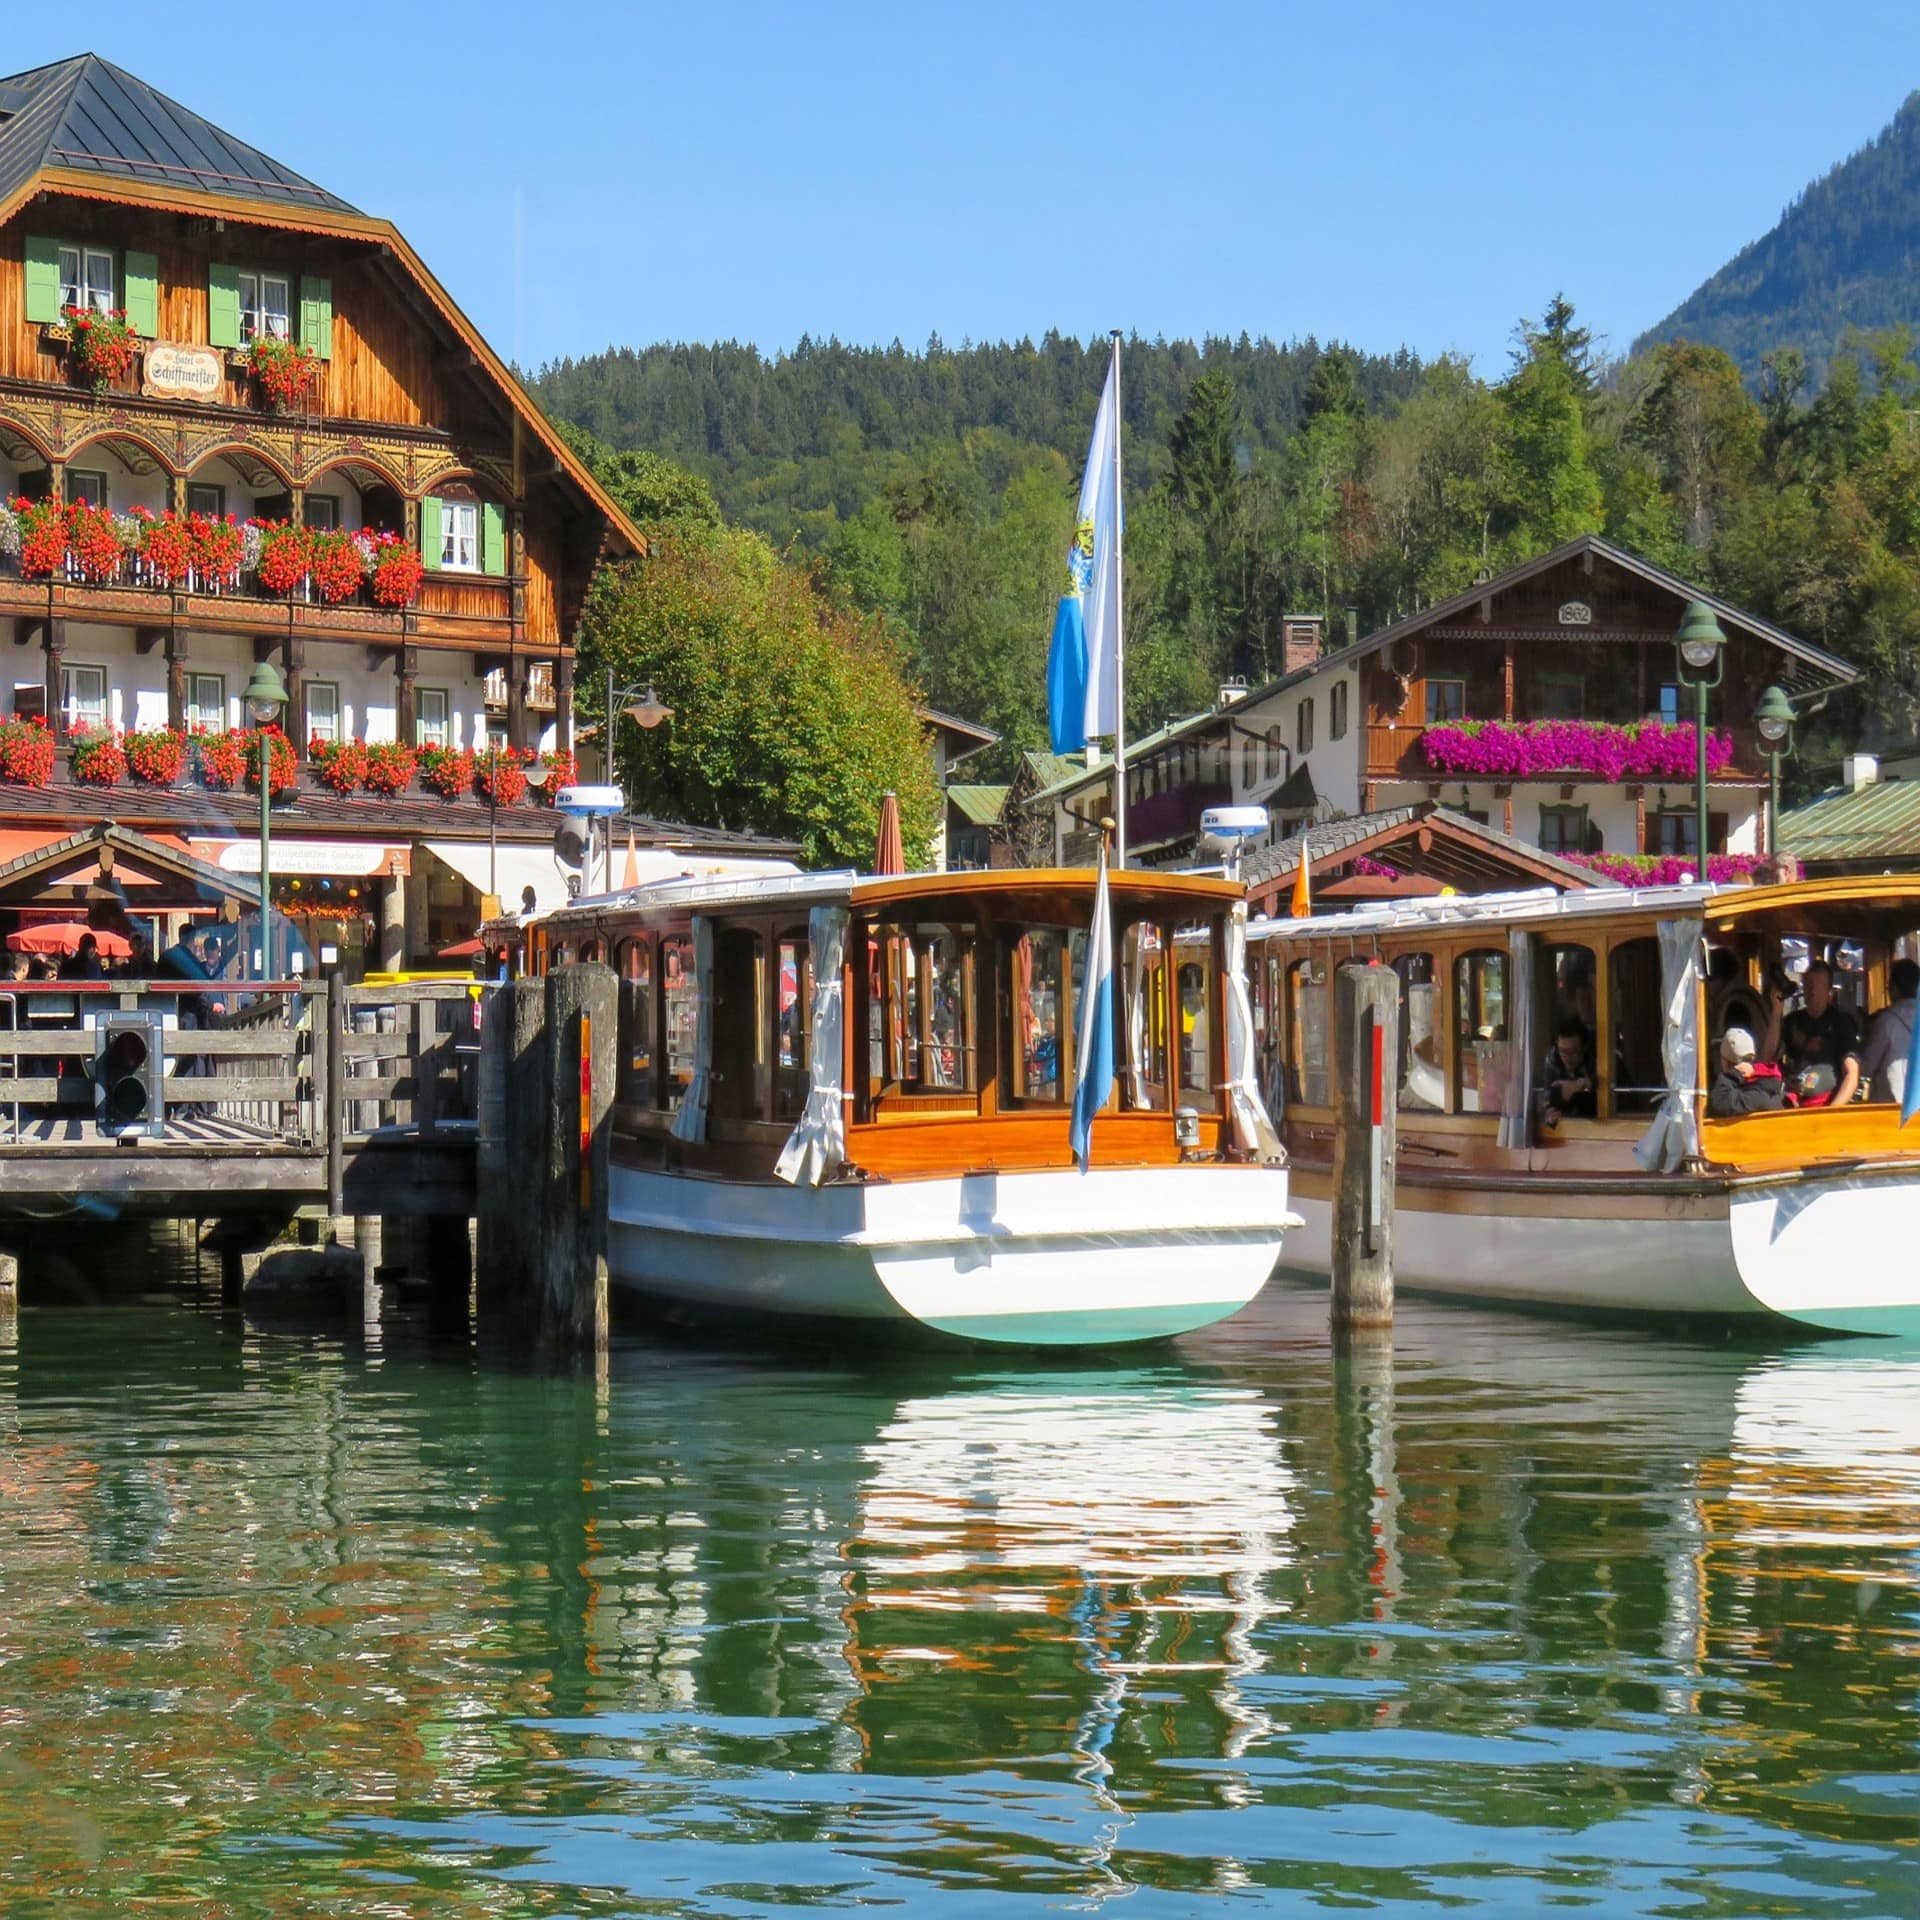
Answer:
(648, 489)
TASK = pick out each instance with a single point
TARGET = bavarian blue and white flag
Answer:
(1083, 663)
(1093, 1044)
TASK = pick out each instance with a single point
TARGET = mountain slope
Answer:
(1845, 254)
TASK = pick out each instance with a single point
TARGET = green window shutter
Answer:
(143, 294)
(430, 532)
(493, 539)
(223, 306)
(316, 315)
(43, 280)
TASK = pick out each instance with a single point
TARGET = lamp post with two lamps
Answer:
(266, 695)
(1702, 649)
(1773, 722)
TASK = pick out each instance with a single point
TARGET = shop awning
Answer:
(514, 869)
(348, 859)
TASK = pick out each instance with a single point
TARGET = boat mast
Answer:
(1119, 630)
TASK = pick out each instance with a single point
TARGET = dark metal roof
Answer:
(87, 115)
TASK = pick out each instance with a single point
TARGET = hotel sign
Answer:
(177, 371)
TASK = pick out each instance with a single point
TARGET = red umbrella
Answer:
(64, 936)
(889, 856)
(463, 949)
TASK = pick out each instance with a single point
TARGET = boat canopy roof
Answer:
(1831, 903)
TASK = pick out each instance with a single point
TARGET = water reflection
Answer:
(1631, 1621)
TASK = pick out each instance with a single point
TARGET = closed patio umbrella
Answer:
(890, 855)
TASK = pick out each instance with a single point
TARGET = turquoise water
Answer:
(1517, 1617)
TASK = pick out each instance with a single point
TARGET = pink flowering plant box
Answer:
(1534, 749)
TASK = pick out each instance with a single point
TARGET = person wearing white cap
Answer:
(1743, 1084)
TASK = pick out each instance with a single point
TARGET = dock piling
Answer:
(1366, 1015)
(582, 1056)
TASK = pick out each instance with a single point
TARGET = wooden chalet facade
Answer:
(1580, 641)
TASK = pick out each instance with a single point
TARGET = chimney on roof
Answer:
(1299, 641)
(1859, 770)
(1229, 691)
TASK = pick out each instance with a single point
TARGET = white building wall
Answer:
(1611, 809)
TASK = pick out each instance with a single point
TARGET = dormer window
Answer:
(264, 306)
(86, 279)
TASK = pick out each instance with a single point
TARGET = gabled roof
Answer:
(138, 148)
(1880, 822)
(91, 116)
(982, 805)
(110, 842)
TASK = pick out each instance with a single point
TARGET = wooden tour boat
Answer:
(847, 1098)
(1650, 1205)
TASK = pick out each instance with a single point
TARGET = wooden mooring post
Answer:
(1366, 1027)
(582, 1051)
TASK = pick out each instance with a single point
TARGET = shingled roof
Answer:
(87, 115)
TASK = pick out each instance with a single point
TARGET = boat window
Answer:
(1307, 1017)
(589, 950)
(794, 1013)
(1480, 1030)
(1040, 1014)
(921, 1021)
(1566, 985)
(741, 1025)
(562, 953)
(1141, 1041)
(1194, 983)
(634, 959)
(1423, 1079)
(1636, 1072)
(679, 1007)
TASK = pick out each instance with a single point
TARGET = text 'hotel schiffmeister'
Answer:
(286, 361)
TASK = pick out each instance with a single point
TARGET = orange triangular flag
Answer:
(631, 878)
(1302, 895)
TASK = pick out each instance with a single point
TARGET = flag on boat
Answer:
(1910, 1095)
(1083, 662)
(1093, 1043)
(1302, 906)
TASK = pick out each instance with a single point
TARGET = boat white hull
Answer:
(1034, 1259)
(1834, 1252)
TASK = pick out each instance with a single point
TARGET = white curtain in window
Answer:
(690, 1120)
(818, 1142)
(1252, 1129)
(1674, 1136)
(1516, 1108)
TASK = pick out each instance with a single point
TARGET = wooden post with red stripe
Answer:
(1366, 1022)
(582, 1020)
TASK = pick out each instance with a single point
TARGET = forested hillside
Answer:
(930, 497)
(1845, 255)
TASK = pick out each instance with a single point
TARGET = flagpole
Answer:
(1119, 632)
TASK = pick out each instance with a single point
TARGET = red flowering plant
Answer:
(220, 759)
(100, 346)
(447, 770)
(97, 757)
(283, 767)
(219, 549)
(341, 764)
(396, 568)
(39, 536)
(286, 552)
(166, 546)
(156, 755)
(561, 772)
(286, 372)
(390, 766)
(94, 541)
(26, 751)
(335, 564)
(502, 774)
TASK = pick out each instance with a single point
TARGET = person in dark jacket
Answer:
(1743, 1084)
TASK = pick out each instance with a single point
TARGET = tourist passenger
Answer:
(1890, 1037)
(84, 962)
(1568, 1086)
(1820, 1045)
(1743, 1084)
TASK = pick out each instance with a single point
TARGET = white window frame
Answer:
(77, 712)
(430, 733)
(198, 712)
(459, 536)
(330, 732)
(86, 278)
(258, 313)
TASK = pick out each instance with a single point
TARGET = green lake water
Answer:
(1517, 1617)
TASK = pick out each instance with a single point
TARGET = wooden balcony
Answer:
(1396, 752)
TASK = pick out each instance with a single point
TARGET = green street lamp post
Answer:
(265, 696)
(1702, 649)
(1773, 721)
(646, 710)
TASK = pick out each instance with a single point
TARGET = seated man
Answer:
(1890, 1037)
(1819, 1044)
(1566, 1085)
(1743, 1084)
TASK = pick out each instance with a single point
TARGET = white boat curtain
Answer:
(1674, 1137)
(818, 1142)
(1516, 1105)
(1134, 977)
(1252, 1129)
(690, 1122)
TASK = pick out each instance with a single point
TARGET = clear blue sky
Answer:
(1389, 173)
